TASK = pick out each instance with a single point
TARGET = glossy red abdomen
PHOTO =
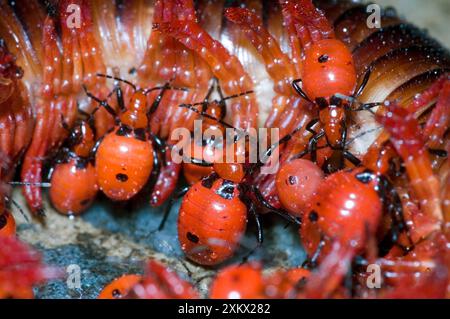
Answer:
(231, 167)
(123, 165)
(232, 171)
(328, 69)
(210, 226)
(344, 209)
(297, 181)
(7, 224)
(194, 173)
(239, 282)
(74, 187)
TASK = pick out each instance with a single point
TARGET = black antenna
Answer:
(359, 135)
(101, 102)
(204, 114)
(117, 79)
(237, 95)
(165, 87)
(283, 140)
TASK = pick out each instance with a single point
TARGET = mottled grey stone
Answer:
(112, 239)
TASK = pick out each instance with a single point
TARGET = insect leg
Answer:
(176, 196)
(280, 212)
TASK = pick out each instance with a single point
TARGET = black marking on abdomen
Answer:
(192, 237)
(122, 177)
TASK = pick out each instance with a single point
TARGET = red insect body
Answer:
(73, 180)
(345, 209)
(205, 150)
(297, 182)
(64, 73)
(239, 282)
(123, 164)
(119, 287)
(327, 66)
(379, 157)
(233, 281)
(160, 282)
(194, 173)
(211, 222)
(287, 106)
(342, 214)
(328, 69)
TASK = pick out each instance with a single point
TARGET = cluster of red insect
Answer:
(231, 283)
(389, 206)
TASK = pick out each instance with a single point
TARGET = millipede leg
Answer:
(363, 83)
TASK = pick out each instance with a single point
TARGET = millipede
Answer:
(91, 93)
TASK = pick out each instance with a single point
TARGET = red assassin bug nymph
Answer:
(213, 214)
(213, 113)
(73, 179)
(328, 80)
(126, 157)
